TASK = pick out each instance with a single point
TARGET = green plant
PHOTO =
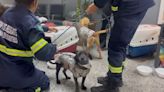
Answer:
(78, 10)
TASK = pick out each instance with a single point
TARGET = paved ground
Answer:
(133, 82)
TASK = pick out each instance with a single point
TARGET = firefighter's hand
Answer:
(53, 29)
(92, 8)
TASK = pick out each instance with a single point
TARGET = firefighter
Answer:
(22, 39)
(127, 16)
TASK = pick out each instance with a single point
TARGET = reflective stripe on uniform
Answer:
(115, 69)
(38, 89)
(114, 8)
(38, 45)
(23, 53)
(15, 52)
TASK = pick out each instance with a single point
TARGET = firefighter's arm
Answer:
(41, 49)
(100, 3)
(92, 8)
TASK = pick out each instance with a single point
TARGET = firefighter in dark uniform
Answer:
(127, 16)
(22, 39)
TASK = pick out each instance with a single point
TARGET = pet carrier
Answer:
(65, 39)
(144, 41)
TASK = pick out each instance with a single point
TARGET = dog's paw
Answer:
(84, 88)
(68, 78)
(58, 82)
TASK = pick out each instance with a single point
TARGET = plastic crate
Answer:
(144, 41)
(141, 50)
(66, 38)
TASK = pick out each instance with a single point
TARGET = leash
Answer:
(62, 34)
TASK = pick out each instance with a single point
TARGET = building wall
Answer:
(70, 5)
(7, 1)
(50, 1)
(152, 15)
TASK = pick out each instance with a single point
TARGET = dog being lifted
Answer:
(87, 37)
(77, 63)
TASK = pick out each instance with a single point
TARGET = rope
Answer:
(62, 34)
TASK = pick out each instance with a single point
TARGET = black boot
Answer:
(3, 89)
(105, 80)
(110, 87)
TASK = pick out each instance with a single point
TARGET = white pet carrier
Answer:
(146, 35)
(65, 37)
(144, 41)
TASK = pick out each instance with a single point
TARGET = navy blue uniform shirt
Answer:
(128, 6)
(21, 39)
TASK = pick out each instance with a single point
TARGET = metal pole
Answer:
(160, 42)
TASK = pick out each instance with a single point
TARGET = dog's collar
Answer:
(84, 67)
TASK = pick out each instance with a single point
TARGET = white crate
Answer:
(146, 34)
(65, 37)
